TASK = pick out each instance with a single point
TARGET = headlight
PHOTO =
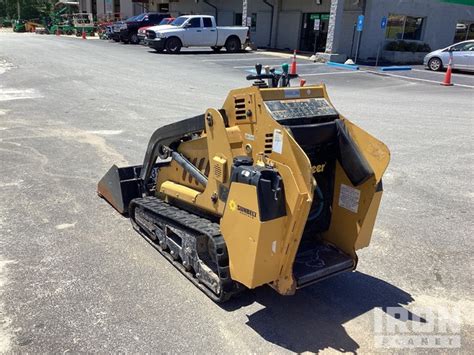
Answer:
(160, 35)
(123, 26)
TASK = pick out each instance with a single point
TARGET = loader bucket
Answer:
(120, 185)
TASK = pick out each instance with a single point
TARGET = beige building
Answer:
(325, 25)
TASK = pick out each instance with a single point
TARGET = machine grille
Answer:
(268, 143)
(217, 171)
(240, 111)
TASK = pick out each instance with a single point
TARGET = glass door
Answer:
(314, 32)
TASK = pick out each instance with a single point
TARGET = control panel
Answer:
(285, 111)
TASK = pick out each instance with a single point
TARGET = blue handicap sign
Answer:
(360, 23)
(383, 23)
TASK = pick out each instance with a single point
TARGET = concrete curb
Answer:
(395, 68)
(281, 55)
(343, 66)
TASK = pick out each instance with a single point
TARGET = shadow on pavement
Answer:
(197, 52)
(313, 319)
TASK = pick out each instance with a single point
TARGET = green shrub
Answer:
(424, 47)
(404, 46)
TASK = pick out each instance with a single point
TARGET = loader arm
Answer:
(162, 138)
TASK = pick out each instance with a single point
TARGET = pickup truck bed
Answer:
(196, 31)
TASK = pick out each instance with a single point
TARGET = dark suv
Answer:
(129, 29)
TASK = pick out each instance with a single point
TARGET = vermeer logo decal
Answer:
(318, 168)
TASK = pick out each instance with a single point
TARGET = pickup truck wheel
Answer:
(233, 44)
(216, 49)
(173, 45)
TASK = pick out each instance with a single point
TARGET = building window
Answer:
(464, 31)
(238, 19)
(117, 7)
(404, 27)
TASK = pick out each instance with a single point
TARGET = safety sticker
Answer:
(249, 137)
(349, 198)
(277, 145)
(292, 93)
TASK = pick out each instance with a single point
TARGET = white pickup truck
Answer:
(196, 31)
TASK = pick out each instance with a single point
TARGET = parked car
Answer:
(129, 29)
(116, 28)
(462, 53)
(196, 31)
(142, 30)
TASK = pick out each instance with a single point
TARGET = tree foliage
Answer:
(29, 9)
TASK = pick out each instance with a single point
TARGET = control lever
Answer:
(274, 79)
(259, 76)
(267, 72)
(284, 81)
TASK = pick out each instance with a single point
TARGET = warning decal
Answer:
(349, 198)
(277, 145)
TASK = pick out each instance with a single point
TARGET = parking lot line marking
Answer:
(419, 79)
(442, 73)
(253, 66)
(230, 59)
(336, 72)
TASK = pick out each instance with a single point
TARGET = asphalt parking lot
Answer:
(315, 73)
(74, 276)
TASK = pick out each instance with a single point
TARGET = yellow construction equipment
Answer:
(276, 188)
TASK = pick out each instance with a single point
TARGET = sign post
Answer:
(359, 28)
(316, 27)
(317, 24)
(383, 25)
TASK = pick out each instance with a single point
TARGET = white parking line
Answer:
(443, 73)
(253, 66)
(231, 59)
(419, 79)
(333, 73)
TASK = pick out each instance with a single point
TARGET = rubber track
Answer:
(174, 216)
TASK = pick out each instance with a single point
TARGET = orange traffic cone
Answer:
(302, 82)
(83, 34)
(447, 77)
(293, 63)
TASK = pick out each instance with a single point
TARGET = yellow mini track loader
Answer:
(276, 187)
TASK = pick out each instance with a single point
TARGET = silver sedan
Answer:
(462, 54)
